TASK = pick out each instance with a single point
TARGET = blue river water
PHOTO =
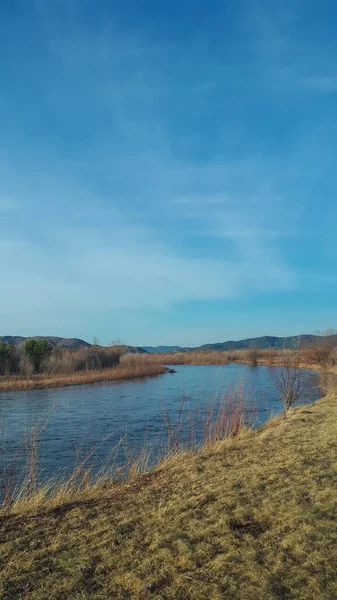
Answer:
(109, 423)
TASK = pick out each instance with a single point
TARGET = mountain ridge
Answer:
(60, 342)
(261, 343)
(54, 341)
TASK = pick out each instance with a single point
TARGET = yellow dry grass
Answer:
(254, 517)
(269, 357)
(145, 365)
(124, 371)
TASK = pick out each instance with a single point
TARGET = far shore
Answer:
(19, 383)
(142, 366)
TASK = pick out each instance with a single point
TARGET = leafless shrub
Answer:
(270, 356)
(232, 356)
(324, 352)
(327, 381)
(253, 355)
(93, 358)
(324, 355)
(26, 368)
(290, 380)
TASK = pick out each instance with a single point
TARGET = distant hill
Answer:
(159, 349)
(134, 350)
(55, 342)
(262, 343)
(68, 343)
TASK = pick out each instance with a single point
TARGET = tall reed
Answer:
(186, 431)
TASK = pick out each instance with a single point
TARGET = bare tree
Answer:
(324, 354)
(116, 343)
(289, 379)
(253, 356)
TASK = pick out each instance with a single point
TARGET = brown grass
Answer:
(124, 371)
(249, 356)
(145, 365)
(202, 426)
(254, 517)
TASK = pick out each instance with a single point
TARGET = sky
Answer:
(168, 169)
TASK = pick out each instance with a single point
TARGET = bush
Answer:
(9, 359)
(324, 354)
(37, 351)
(290, 380)
(270, 356)
(232, 356)
(253, 356)
(94, 358)
(38, 356)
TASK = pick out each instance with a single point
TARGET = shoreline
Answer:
(212, 515)
(122, 373)
(19, 384)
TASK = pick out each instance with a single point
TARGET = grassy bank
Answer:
(123, 371)
(251, 517)
(64, 367)
(251, 356)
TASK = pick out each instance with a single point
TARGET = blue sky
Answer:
(167, 169)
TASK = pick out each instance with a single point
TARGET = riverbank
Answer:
(14, 383)
(146, 365)
(251, 517)
(251, 356)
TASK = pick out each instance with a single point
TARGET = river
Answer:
(73, 421)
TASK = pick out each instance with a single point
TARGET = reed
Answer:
(123, 371)
(189, 431)
(249, 516)
(66, 368)
(249, 356)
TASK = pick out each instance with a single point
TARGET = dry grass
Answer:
(124, 371)
(250, 356)
(144, 365)
(252, 518)
(22, 483)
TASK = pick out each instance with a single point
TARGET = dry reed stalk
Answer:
(16, 383)
(203, 426)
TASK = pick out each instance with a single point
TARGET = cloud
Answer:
(146, 145)
(121, 268)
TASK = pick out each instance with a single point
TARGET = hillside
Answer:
(68, 343)
(252, 518)
(163, 349)
(134, 350)
(262, 343)
(55, 342)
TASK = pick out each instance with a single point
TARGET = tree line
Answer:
(39, 356)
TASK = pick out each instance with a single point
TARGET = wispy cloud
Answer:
(160, 172)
